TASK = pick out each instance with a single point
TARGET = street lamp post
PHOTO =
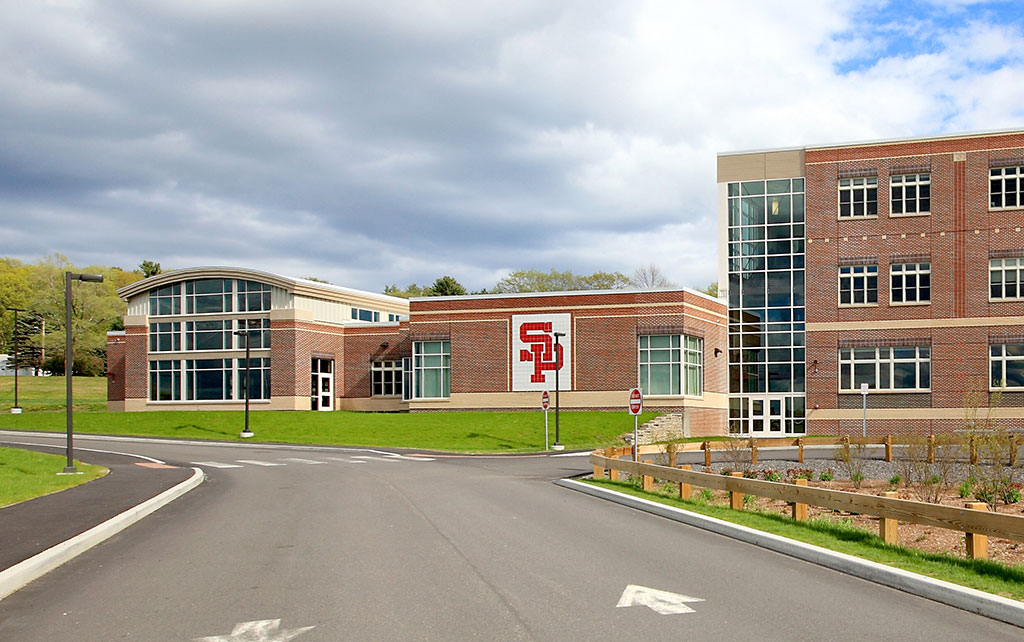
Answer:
(558, 366)
(16, 409)
(69, 358)
(246, 433)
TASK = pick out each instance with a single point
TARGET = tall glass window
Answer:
(253, 296)
(166, 300)
(208, 379)
(208, 296)
(164, 337)
(1007, 365)
(386, 379)
(208, 335)
(432, 369)
(671, 364)
(766, 302)
(259, 378)
(165, 380)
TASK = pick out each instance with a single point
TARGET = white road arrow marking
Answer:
(661, 602)
(257, 631)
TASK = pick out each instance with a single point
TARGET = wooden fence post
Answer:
(671, 456)
(735, 498)
(931, 449)
(800, 450)
(800, 510)
(648, 479)
(888, 529)
(753, 452)
(977, 545)
(888, 448)
(613, 474)
(598, 471)
(685, 490)
(706, 447)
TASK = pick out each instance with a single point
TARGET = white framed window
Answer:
(671, 364)
(858, 285)
(259, 378)
(166, 300)
(1006, 279)
(360, 314)
(1007, 366)
(208, 379)
(259, 333)
(858, 197)
(165, 380)
(208, 335)
(1005, 188)
(253, 296)
(910, 194)
(431, 369)
(895, 368)
(165, 337)
(207, 296)
(910, 283)
(386, 379)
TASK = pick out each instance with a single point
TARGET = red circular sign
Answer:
(636, 401)
(545, 400)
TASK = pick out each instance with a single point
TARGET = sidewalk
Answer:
(32, 527)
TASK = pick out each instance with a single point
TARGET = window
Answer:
(858, 285)
(164, 380)
(1006, 278)
(1007, 362)
(392, 317)
(386, 379)
(910, 283)
(164, 337)
(259, 378)
(1006, 188)
(165, 300)
(208, 296)
(896, 368)
(259, 333)
(911, 194)
(208, 379)
(858, 197)
(671, 364)
(365, 315)
(208, 335)
(253, 296)
(431, 369)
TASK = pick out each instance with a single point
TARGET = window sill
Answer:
(857, 218)
(846, 306)
(1005, 209)
(901, 391)
(204, 402)
(1007, 300)
(903, 304)
(915, 215)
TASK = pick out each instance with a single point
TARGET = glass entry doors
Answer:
(322, 384)
(767, 416)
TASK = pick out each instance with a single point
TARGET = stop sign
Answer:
(545, 400)
(636, 401)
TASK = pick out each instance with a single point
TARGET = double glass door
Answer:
(322, 384)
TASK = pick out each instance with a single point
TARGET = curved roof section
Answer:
(301, 287)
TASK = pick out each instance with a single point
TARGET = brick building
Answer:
(898, 265)
(316, 346)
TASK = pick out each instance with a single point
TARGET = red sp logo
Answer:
(542, 349)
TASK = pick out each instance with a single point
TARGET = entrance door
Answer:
(322, 384)
(775, 416)
(767, 416)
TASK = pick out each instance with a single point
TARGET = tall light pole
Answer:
(69, 358)
(558, 366)
(16, 409)
(246, 433)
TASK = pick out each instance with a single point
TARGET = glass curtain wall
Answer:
(766, 306)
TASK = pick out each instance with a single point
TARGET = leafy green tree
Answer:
(711, 289)
(149, 268)
(445, 286)
(555, 281)
(410, 291)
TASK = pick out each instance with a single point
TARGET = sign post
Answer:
(636, 406)
(545, 403)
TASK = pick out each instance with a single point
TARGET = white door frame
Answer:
(321, 384)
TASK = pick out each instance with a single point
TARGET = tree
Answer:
(410, 291)
(445, 286)
(149, 268)
(555, 281)
(650, 276)
(711, 289)
(317, 280)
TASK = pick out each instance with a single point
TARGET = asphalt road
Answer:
(368, 547)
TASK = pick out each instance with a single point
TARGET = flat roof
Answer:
(881, 141)
(560, 293)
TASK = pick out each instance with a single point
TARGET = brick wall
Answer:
(116, 345)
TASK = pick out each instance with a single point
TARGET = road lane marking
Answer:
(661, 602)
(257, 462)
(257, 631)
(300, 460)
(215, 464)
(390, 461)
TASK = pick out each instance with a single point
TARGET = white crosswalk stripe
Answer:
(300, 460)
(375, 458)
(215, 464)
(257, 462)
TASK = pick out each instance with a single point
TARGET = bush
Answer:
(965, 488)
(800, 473)
(828, 475)
(770, 474)
(895, 480)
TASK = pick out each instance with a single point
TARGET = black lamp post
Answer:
(246, 433)
(69, 358)
(16, 409)
(558, 363)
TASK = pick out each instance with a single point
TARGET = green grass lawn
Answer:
(25, 474)
(48, 393)
(983, 575)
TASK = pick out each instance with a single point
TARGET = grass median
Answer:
(25, 474)
(840, 536)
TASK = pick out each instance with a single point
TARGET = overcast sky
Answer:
(378, 142)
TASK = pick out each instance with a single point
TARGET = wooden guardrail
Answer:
(972, 521)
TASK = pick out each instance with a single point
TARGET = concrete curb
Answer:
(35, 567)
(968, 599)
